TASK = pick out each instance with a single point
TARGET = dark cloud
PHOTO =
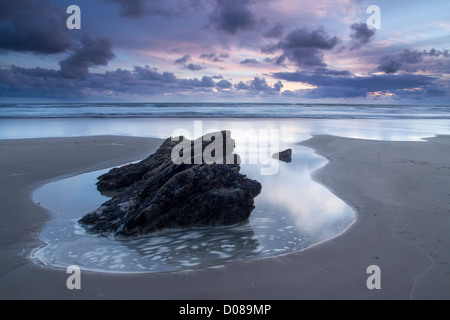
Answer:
(147, 81)
(224, 84)
(9, 7)
(233, 16)
(188, 66)
(344, 84)
(361, 35)
(335, 92)
(35, 27)
(409, 60)
(242, 86)
(205, 82)
(183, 60)
(371, 83)
(142, 8)
(259, 85)
(35, 72)
(94, 51)
(164, 8)
(249, 61)
(194, 67)
(275, 32)
(393, 63)
(208, 56)
(303, 47)
(151, 74)
(437, 53)
(138, 8)
(141, 81)
(41, 83)
(214, 57)
(331, 72)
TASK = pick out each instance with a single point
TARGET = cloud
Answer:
(224, 84)
(303, 47)
(142, 8)
(233, 16)
(208, 56)
(164, 8)
(205, 82)
(191, 66)
(259, 85)
(35, 27)
(10, 7)
(146, 81)
(275, 32)
(412, 61)
(214, 57)
(95, 51)
(361, 35)
(151, 74)
(194, 67)
(338, 84)
(138, 8)
(249, 61)
(183, 60)
(141, 81)
(331, 72)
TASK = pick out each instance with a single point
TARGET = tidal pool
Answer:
(292, 213)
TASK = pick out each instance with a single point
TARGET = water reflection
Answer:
(298, 205)
(292, 130)
(292, 212)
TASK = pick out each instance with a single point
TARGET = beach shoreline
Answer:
(397, 189)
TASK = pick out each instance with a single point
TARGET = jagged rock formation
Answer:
(159, 194)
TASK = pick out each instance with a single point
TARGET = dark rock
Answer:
(158, 194)
(285, 156)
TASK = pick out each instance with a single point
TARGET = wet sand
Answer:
(399, 190)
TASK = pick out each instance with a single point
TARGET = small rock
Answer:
(285, 156)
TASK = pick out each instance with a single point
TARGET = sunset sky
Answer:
(225, 50)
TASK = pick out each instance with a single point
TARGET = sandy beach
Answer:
(400, 191)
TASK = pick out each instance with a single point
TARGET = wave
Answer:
(222, 110)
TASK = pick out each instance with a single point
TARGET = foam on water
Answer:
(221, 110)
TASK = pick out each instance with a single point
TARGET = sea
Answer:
(370, 121)
(292, 213)
(223, 110)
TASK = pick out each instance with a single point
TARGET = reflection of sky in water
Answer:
(292, 213)
(292, 130)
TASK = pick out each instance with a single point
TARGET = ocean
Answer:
(296, 122)
(222, 110)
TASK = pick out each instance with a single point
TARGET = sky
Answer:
(281, 51)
